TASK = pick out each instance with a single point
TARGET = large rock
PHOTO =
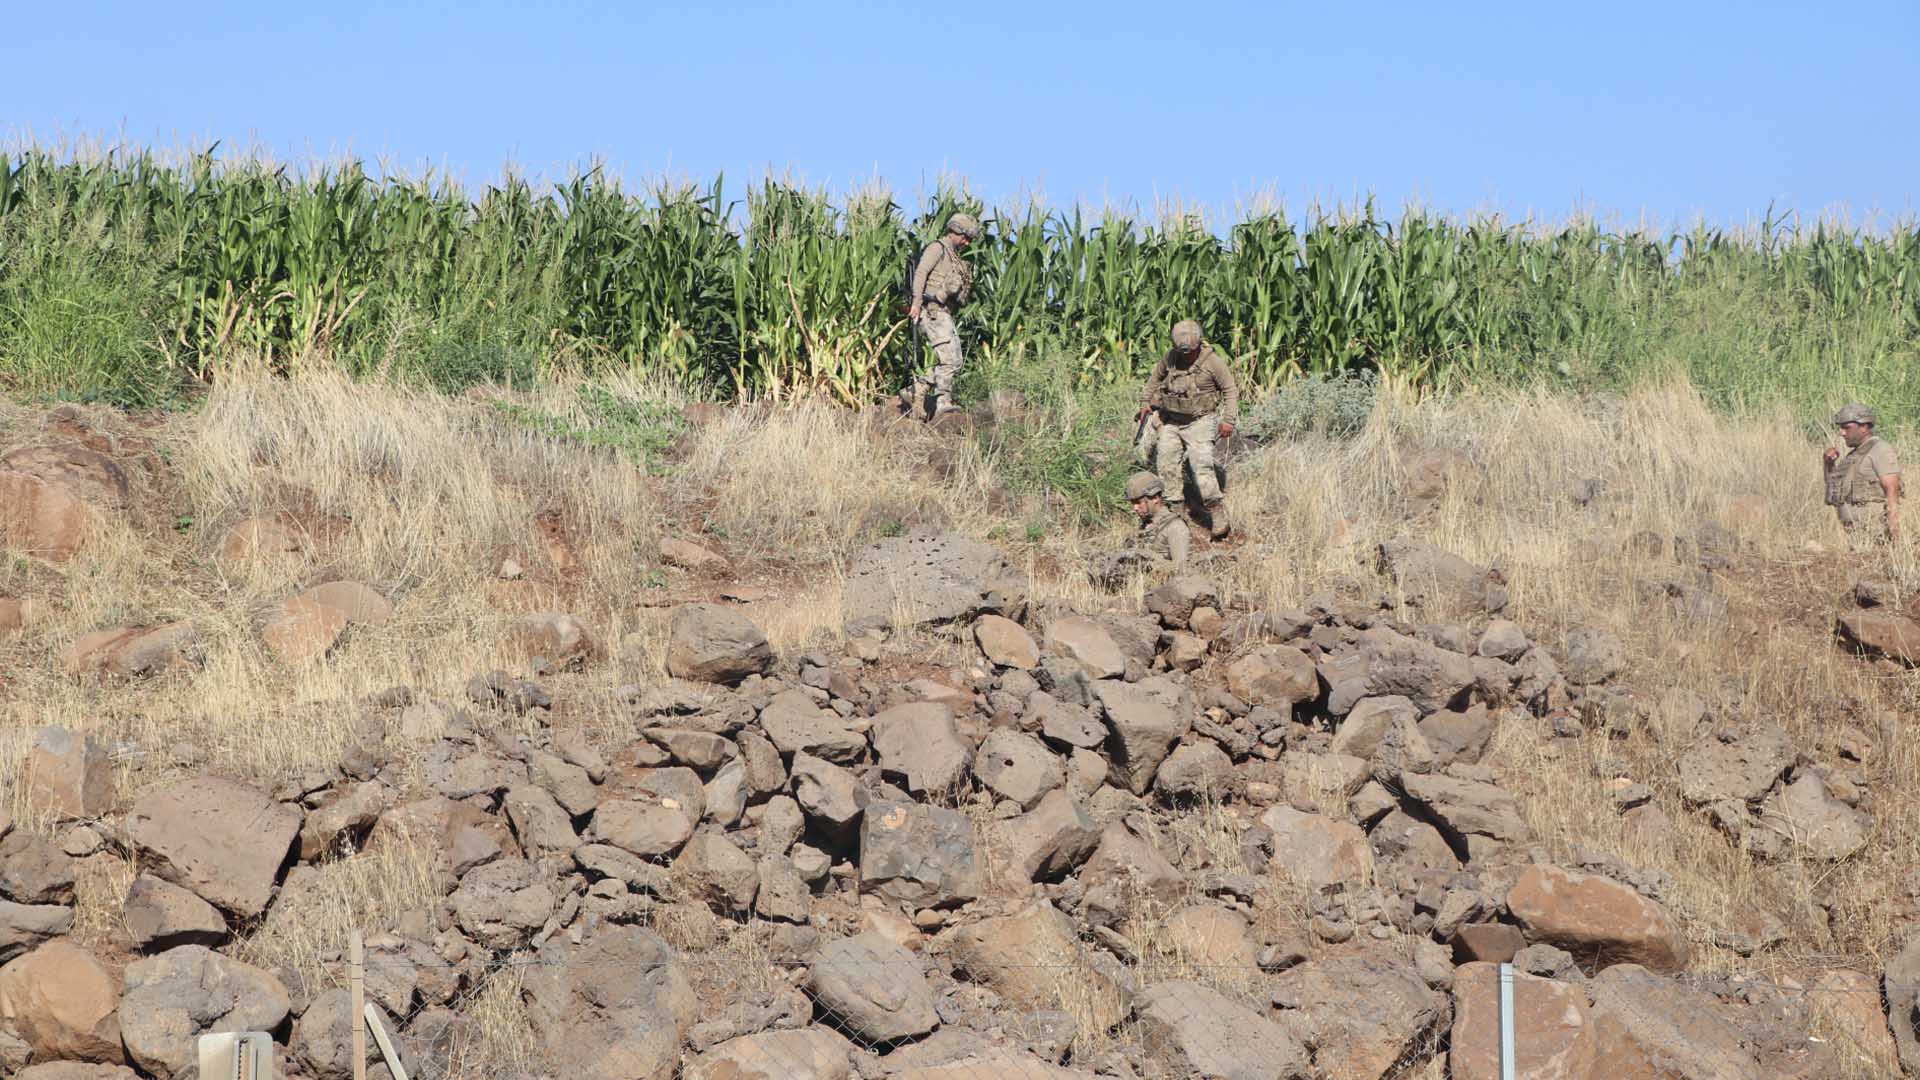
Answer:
(343, 817)
(1048, 842)
(1597, 919)
(1645, 1025)
(1817, 823)
(918, 854)
(160, 916)
(1554, 1037)
(1431, 677)
(919, 744)
(873, 988)
(75, 1070)
(1130, 863)
(1367, 1013)
(829, 794)
(224, 840)
(1144, 728)
(1593, 656)
(1084, 640)
(1316, 850)
(23, 926)
(1006, 643)
(323, 1037)
(1034, 960)
(1370, 721)
(43, 519)
(1741, 766)
(307, 625)
(562, 639)
(172, 999)
(929, 579)
(1017, 766)
(1880, 632)
(1195, 772)
(1902, 986)
(68, 775)
(647, 829)
(133, 651)
(35, 871)
(1206, 1034)
(62, 1001)
(1470, 808)
(798, 726)
(1430, 576)
(1211, 939)
(616, 1007)
(501, 904)
(715, 644)
(87, 473)
(711, 869)
(814, 1053)
(1850, 1001)
(1274, 675)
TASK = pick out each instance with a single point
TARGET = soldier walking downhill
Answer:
(1863, 487)
(942, 284)
(1197, 402)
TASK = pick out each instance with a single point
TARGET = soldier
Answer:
(942, 283)
(1864, 486)
(1162, 542)
(1197, 401)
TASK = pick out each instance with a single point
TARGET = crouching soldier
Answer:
(1162, 543)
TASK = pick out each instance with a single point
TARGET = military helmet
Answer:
(1143, 485)
(1186, 335)
(965, 224)
(1855, 413)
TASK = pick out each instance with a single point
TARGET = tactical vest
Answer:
(1852, 482)
(1184, 392)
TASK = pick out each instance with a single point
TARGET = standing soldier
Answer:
(1197, 402)
(1864, 486)
(942, 283)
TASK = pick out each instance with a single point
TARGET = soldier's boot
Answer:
(1218, 527)
(915, 398)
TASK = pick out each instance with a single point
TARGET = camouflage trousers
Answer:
(1188, 443)
(940, 334)
(1865, 524)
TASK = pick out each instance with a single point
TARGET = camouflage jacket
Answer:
(1194, 389)
(942, 276)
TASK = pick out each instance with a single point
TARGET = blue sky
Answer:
(1632, 110)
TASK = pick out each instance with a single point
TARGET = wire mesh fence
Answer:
(619, 1002)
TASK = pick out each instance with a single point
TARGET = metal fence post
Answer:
(1506, 1022)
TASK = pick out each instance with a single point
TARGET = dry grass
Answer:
(422, 496)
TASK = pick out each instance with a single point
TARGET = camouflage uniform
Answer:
(1192, 397)
(1163, 543)
(1854, 491)
(942, 282)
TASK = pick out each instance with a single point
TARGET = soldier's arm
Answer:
(923, 269)
(1153, 382)
(1179, 544)
(1230, 391)
(1887, 464)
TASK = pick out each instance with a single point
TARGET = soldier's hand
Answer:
(913, 311)
(1142, 414)
(1226, 429)
(1833, 454)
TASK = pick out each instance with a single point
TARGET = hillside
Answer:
(640, 734)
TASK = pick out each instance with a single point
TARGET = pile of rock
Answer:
(954, 874)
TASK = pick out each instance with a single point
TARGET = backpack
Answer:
(913, 269)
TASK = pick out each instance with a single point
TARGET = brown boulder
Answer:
(1882, 633)
(1366, 1014)
(814, 1053)
(1034, 959)
(872, 988)
(1554, 1038)
(22, 926)
(161, 916)
(690, 556)
(43, 519)
(68, 775)
(1203, 1033)
(715, 644)
(1597, 919)
(1006, 643)
(920, 744)
(307, 625)
(562, 640)
(89, 474)
(1274, 675)
(262, 536)
(62, 1001)
(1317, 850)
(220, 838)
(1646, 1025)
(173, 998)
(1849, 1003)
(131, 651)
(616, 1007)
(1082, 639)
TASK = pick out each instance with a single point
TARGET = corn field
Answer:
(130, 273)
